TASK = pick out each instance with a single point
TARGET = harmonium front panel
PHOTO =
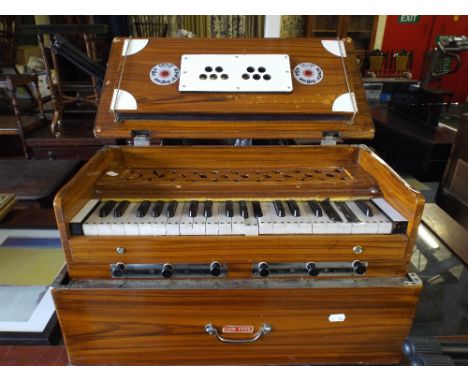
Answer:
(242, 88)
(231, 215)
(234, 322)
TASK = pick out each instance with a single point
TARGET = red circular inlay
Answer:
(164, 73)
(307, 73)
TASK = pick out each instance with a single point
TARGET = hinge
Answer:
(329, 138)
(140, 138)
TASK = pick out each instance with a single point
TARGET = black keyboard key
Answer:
(364, 207)
(107, 208)
(279, 208)
(193, 209)
(143, 208)
(315, 207)
(257, 209)
(243, 209)
(120, 209)
(157, 209)
(330, 211)
(294, 208)
(208, 209)
(229, 209)
(171, 209)
(348, 214)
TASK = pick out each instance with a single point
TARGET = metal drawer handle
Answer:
(264, 330)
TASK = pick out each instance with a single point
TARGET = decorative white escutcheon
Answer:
(132, 46)
(123, 100)
(335, 47)
(345, 103)
(337, 317)
(164, 74)
(308, 73)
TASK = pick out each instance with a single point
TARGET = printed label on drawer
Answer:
(337, 317)
(238, 329)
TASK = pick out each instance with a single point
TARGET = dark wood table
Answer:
(410, 146)
(35, 182)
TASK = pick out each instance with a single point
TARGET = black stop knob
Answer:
(359, 268)
(263, 269)
(117, 271)
(312, 269)
(166, 271)
(215, 268)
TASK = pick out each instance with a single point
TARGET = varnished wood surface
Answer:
(134, 78)
(397, 192)
(236, 173)
(91, 256)
(130, 326)
(447, 229)
(168, 101)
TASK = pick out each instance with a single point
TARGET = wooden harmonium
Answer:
(147, 289)
(237, 212)
(218, 255)
(237, 88)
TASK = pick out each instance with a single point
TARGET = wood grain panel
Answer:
(409, 202)
(166, 326)
(385, 253)
(173, 106)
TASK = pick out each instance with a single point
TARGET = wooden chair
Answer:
(11, 80)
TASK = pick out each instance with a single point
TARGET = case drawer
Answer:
(165, 322)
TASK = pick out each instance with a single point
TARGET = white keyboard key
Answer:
(212, 223)
(265, 223)
(225, 222)
(199, 222)
(251, 223)
(172, 224)
(237, 221)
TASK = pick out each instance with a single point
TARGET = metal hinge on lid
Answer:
(140, 138)
(329, 138)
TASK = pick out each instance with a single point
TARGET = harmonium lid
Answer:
(233, 88)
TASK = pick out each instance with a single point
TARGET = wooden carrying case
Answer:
(239, 317)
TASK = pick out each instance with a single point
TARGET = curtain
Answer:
(237, 26)
(293, 26)
(200, 26)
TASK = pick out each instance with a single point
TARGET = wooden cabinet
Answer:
(360, 28)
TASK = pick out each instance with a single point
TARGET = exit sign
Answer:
(408, 19)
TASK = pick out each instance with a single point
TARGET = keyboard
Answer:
(236, 217)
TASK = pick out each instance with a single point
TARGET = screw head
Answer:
(120, 250)
(358, 250)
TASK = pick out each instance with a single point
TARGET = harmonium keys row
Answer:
(277, 217)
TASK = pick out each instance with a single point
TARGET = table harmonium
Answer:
(250, 253)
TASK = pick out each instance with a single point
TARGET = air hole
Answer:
(267, 176)
(203, 76)
(208, 69)
(245, 176)
(344, 178)
(245, 76)
(213, 77)
(224, 76)
(261, 69)
(267, 77)
(251, 69)
(338, 170)
(256, 76)
(203, 176)
(219, 69)
(330, 175)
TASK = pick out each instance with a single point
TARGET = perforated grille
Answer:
(330, 175)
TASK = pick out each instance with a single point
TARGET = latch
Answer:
(140, 138)
(329, 138)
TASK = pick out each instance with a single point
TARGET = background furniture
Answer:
(34, 182)
(361, 29)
